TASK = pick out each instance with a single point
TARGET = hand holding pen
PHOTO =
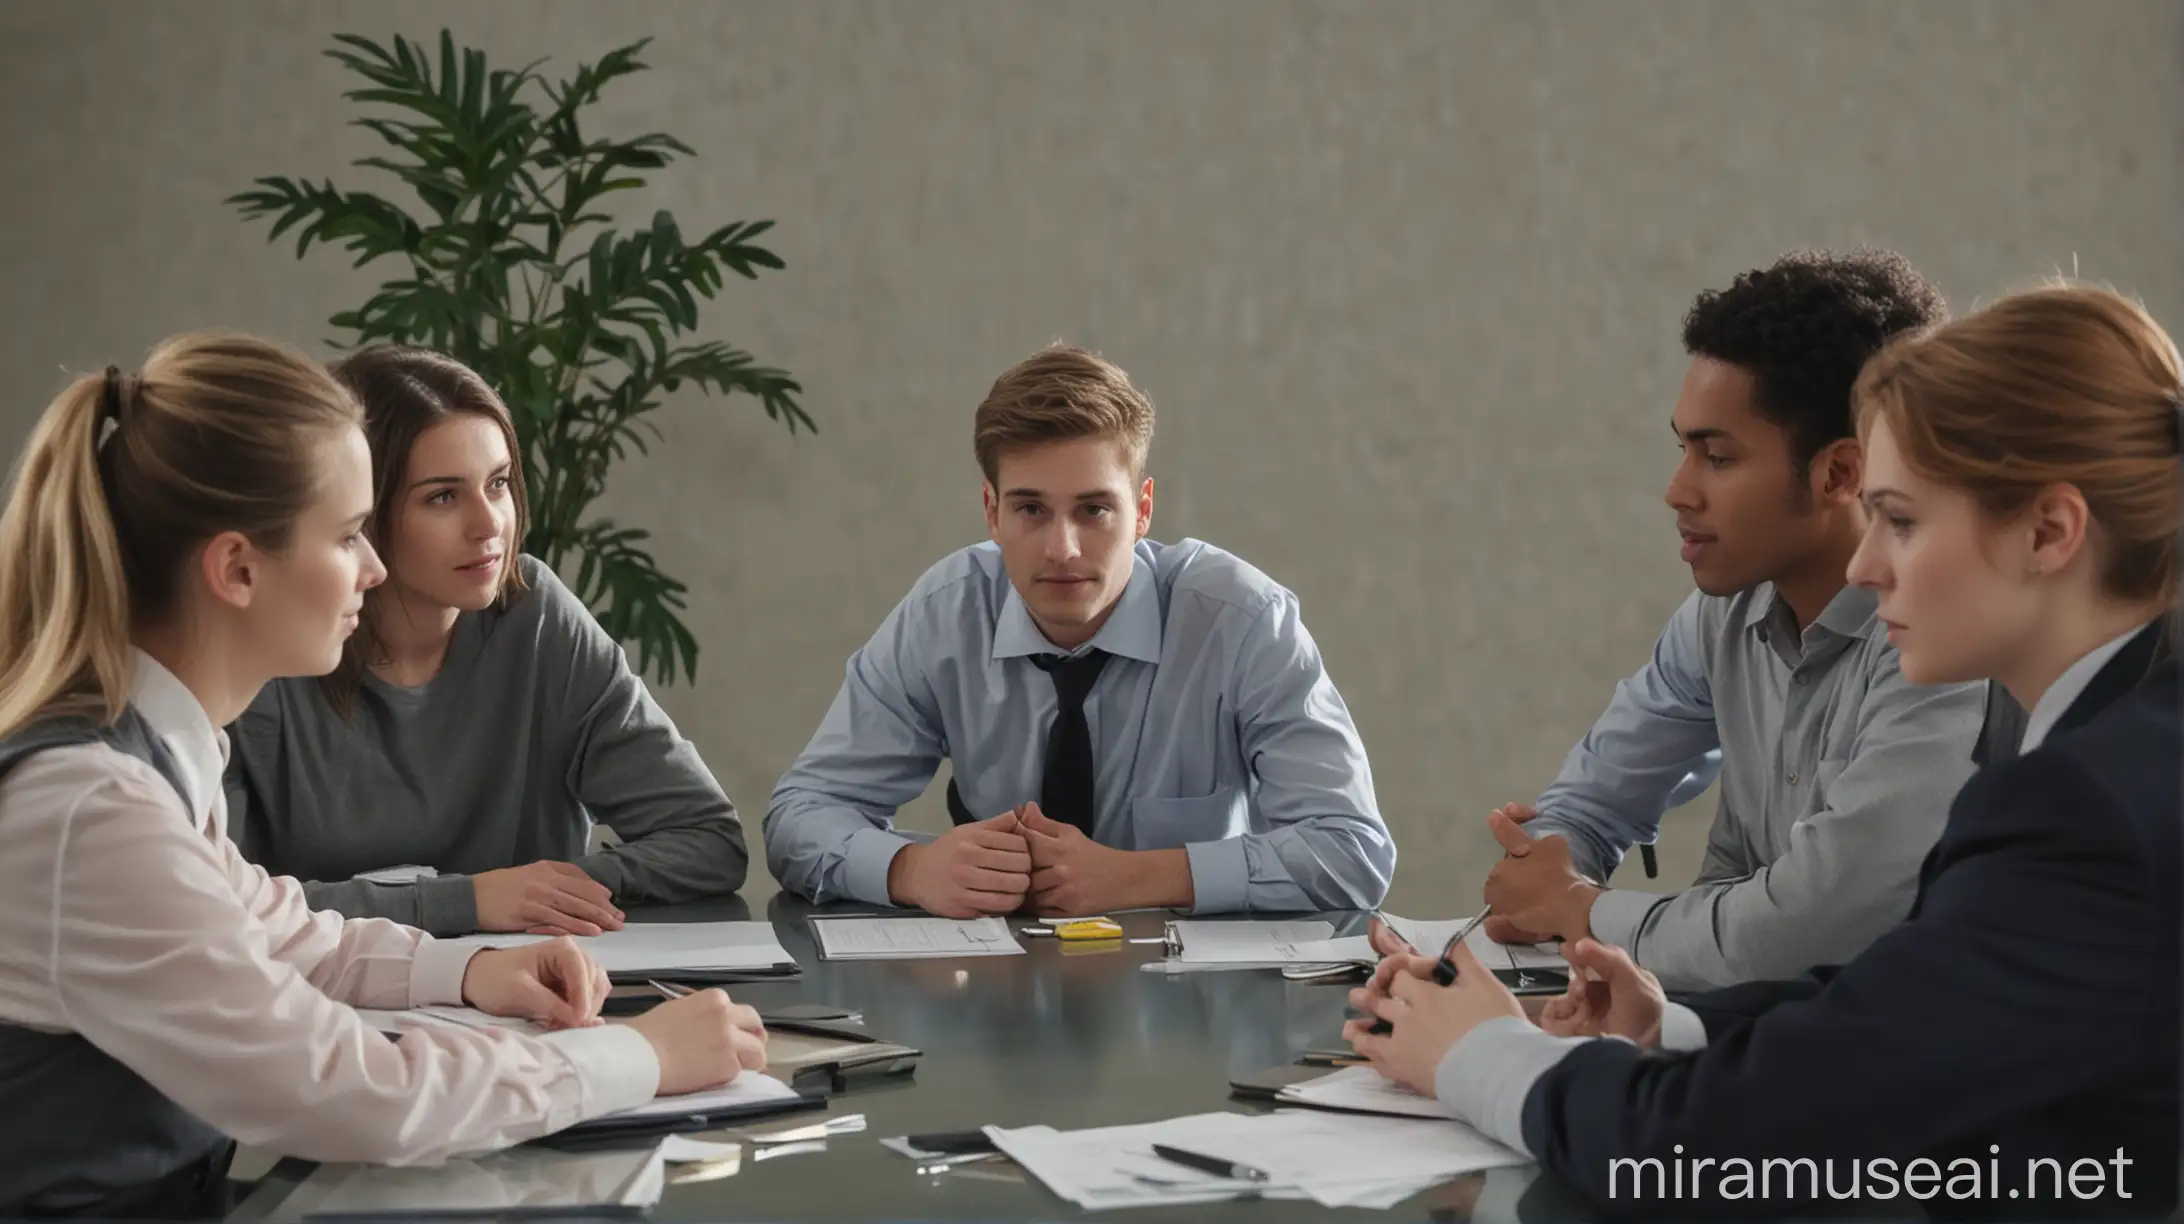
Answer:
(1401, 957)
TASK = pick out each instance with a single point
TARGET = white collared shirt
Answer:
(132, 920)
(2062, 694)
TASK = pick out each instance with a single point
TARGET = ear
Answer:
(1838, 472)
(992, 503)
(232, 568)
(2058, 521)
(1145, 508)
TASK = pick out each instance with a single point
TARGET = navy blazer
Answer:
(2026, 1009)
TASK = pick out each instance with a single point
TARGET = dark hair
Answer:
(405, 392)
(1804, 327)
(125, 476)
(1057, 394)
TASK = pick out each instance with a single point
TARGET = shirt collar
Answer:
(1133, 629)
(1850, 614)
(2067, 688)
(1846, 617)
(199, 748)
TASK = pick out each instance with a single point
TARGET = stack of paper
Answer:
(913, 938)
(666, 949)
(1336, 1160)
(749, 1088)
(1247, 944)
(1308, 946)
(1431, 937)
(1361, 1090)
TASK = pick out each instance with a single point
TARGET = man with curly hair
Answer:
(1775, 675)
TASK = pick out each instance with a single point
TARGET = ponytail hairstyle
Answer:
(125, 477)
(2065, 384)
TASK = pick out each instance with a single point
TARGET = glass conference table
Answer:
(1068, 1035)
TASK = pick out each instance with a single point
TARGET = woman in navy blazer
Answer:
(2011, 1049)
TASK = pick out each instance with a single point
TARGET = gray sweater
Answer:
(534, 721)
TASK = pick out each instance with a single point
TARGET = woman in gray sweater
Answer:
(481, 720)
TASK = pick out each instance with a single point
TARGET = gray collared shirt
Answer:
(1214, 729)
(1836, 778)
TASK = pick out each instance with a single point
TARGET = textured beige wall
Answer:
(1403, 278)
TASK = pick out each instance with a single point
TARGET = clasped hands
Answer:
(1608, 996)
(1023, 860)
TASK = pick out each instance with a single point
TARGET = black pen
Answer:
(1209, 1164)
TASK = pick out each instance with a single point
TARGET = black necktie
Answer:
(1066, 792)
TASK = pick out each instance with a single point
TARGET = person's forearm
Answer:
(687, 862)
(439, 905)
(1165, 877)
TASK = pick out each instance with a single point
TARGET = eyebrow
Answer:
(454, 480)
(1097, 495)
(1874, 496)
(358, 520)
(1698, 435)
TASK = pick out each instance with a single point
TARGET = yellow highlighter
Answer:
(1088, 928)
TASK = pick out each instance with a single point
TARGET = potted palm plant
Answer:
(508, 263)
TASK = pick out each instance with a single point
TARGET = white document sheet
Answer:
(1362, 1090)
(1431, 937)
(913, 938)
(1334, 1159)
(664, 947)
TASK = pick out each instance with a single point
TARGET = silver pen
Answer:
(1382, 918)
(1444, 970)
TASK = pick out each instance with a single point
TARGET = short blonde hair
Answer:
(1059, 394)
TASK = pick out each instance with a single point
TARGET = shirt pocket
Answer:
(1809, 801)
(1163, 824)
(1823, 780)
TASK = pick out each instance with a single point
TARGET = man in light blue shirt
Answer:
(1129, 724)
(1775, 675)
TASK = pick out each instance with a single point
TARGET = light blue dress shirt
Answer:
(1214, 728)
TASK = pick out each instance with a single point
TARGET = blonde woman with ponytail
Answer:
(173, 541)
